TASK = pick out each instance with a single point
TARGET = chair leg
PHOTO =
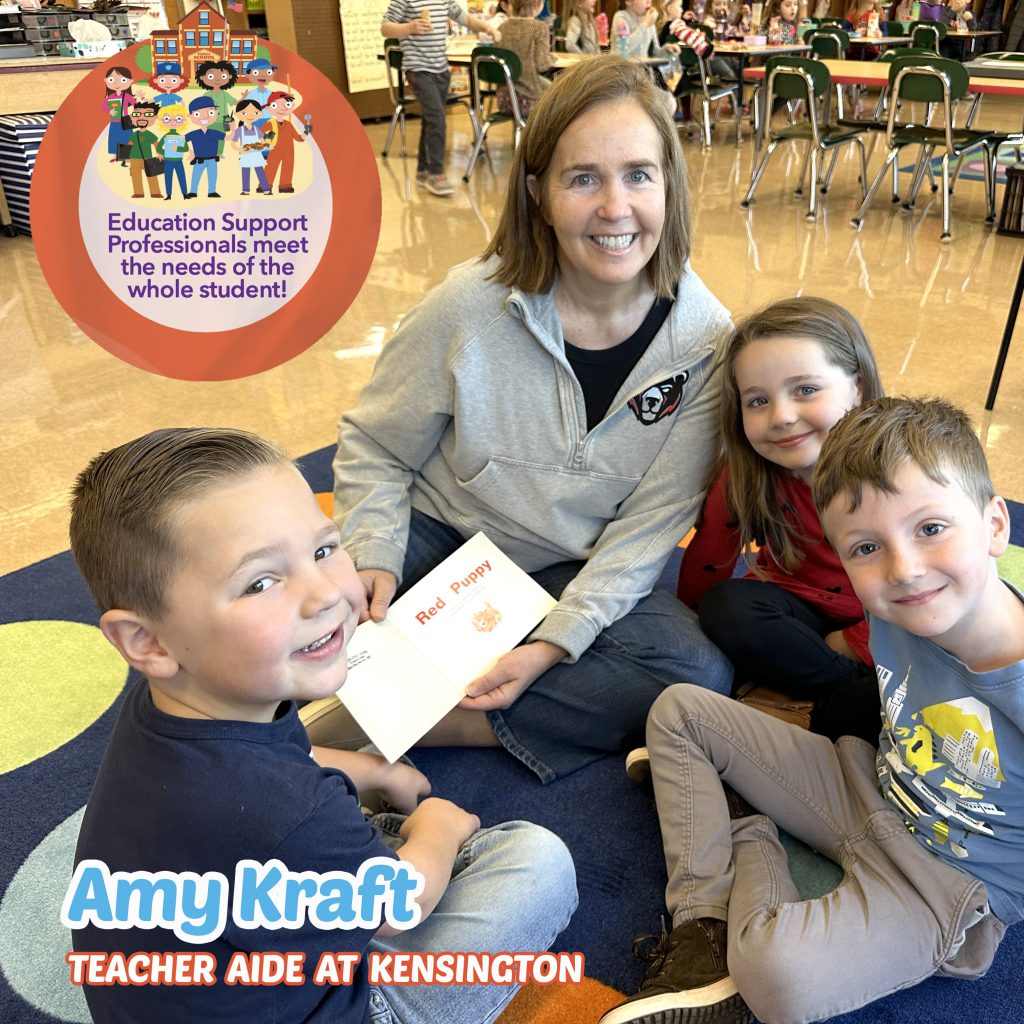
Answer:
(799, 190)
(945, 236)
(925, 160)
(391, 133)
(863, 170)
(706, 113)
(758, 171)
(812, 203)
(827, 183)
(477, 146)
(990, 155)
(890, 158)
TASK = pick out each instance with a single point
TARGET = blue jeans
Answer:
(576, 713)
(173, 169)
(431, 89)
(513, 889)
(209, 167)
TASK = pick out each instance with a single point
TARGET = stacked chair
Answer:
(797, 78)
(698, 83)
(494, 67)
(931, 80)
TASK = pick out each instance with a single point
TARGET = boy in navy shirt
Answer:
(220, 579)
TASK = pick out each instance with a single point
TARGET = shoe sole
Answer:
(719, 1003)
(440, 192)
(638, 765)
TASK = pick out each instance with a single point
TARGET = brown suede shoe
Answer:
(687, 983)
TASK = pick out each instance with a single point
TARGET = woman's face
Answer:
(588, 6)
(604, 195)
(117, 82)
(216, 78)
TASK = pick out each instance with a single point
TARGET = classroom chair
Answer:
(798, 78)
(496, 67)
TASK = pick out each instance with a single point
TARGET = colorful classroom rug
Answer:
(973, 168)
(63, 687)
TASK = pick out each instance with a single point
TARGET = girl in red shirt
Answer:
(790, 373)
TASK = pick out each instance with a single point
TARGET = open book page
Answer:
(407, 673)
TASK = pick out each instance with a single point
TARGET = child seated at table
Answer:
(779, 21)
(581, 28)
(530, 41)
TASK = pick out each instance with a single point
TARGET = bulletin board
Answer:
(360, 33)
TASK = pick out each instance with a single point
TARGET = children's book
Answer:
(407, 672)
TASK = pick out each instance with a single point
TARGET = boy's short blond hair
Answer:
(871, 442)
(124, 503)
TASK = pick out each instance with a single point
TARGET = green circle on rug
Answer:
(58, 678)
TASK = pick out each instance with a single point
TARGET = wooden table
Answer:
(742, 55)
(875, 75)
(882, 42)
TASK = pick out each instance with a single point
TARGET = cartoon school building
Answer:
(203, 35)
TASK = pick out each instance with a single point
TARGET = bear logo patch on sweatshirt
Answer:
(659, 400)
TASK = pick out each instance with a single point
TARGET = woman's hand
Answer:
(380, 586)
(510, 677)
(839, 644)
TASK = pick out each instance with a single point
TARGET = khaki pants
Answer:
(137, 168)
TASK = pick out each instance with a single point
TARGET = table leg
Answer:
(739, 98)
(1004, 347)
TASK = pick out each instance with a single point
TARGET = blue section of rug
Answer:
(609, 824)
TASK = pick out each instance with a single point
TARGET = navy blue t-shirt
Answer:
(181, 794)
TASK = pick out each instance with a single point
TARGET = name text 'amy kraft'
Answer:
(195, 907)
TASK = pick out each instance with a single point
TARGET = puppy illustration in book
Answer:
(486, 619)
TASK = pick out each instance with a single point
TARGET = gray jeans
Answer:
(900, 914)
(432, 91)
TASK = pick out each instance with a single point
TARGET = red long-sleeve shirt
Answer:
(819, 579)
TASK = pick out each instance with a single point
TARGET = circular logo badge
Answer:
(205, 214)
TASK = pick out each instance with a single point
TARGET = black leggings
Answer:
(777, 639)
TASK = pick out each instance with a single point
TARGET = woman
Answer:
(555, 393)
(217, 78)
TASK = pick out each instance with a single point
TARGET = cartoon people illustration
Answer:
(118, 101)
(260, 73)
(217, 77)
(284, 135)
(247, 140)
(140, 153)
(204, 145)
(172, 146)
(167, 81)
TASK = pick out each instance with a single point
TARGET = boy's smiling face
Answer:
(923, 557)
(263, 603)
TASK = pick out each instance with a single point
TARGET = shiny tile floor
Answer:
(934, 313)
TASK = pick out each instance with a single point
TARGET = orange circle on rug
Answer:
(256, 261)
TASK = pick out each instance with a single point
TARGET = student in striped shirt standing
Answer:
(422, 27)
